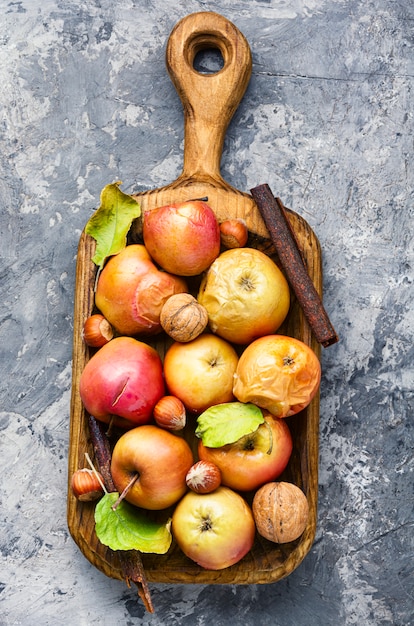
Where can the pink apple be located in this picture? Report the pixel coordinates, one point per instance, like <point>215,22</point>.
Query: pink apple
<point>131,291</point>
<point>201,372</point>
<point>123,378</point>
<point>159,459</point>
<point>183,238</point>
<point>254,459</point>
<point>216,530</point>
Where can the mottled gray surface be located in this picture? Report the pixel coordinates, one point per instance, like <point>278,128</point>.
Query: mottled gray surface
<point>327,121</point>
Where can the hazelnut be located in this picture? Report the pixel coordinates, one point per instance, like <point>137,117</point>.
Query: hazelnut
<point>233,233</point>
<point>183,318</point>
<point>87,485</point>
<point>281,511</point>
<point>97,331</point>
<point>169,413</point>
<point>203,477</point>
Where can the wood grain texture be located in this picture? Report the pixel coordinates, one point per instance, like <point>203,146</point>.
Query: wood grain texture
<point>208,103</point>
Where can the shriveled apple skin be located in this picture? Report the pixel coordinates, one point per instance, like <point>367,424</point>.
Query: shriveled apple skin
<point>124,378</point>
<point>278,373</point>
<point>245,294</point>
<point>131,291</point>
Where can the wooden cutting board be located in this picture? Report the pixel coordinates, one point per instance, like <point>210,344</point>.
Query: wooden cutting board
<point>209,102</point>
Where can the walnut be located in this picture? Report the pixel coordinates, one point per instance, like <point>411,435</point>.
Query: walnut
<point>183,318</point>
<point>281,511</point>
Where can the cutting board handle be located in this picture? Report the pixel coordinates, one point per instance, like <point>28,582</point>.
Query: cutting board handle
<point>209,100</point>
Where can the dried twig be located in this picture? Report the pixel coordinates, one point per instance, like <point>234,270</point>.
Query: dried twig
<point>131,562</point>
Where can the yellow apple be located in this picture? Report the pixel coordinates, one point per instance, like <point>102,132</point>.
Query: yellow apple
<point>245,294</point>
<point>216,529</point>
<point>201,372</point>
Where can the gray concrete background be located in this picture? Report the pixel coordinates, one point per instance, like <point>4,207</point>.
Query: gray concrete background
<point>327,122</point>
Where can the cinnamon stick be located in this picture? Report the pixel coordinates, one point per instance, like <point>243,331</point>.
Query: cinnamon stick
<point>291,259</point>
<point>131,562</point>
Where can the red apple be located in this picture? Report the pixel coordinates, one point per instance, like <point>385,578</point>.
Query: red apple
<point>124,378</point>
<point>216,530</point>
<point>183,238</point>
<point>201,372</point>
<point>255,459</point>
<point>161,461</point>
<point>245,294</point>
<point>131,291</point>
<point>278,373</point>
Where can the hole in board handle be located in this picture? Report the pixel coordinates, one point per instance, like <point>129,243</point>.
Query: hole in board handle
<point>208,61</point>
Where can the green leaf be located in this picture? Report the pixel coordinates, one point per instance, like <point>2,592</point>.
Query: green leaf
<point>225,423</point>
<point>129,528</point>
<point>110,223</point>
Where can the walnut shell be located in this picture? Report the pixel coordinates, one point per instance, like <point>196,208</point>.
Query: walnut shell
<point>183,318</point>
<point>281,511</point>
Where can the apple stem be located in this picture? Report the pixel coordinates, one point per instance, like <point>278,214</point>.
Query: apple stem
<point>89,460</point>
<point>125,491</point>
<point>204,199</point>
<point>269,428</point>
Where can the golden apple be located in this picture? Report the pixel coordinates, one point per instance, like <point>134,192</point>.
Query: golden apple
<point>245,294</point>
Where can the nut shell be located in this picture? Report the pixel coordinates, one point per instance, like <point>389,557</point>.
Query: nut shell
<point>86,486</point>
<point>233,233</point>
<point>97,331</point>
<point>183,318</point>
<point>281,511</point>
<point>203,477</point>
<point>170,413</point>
